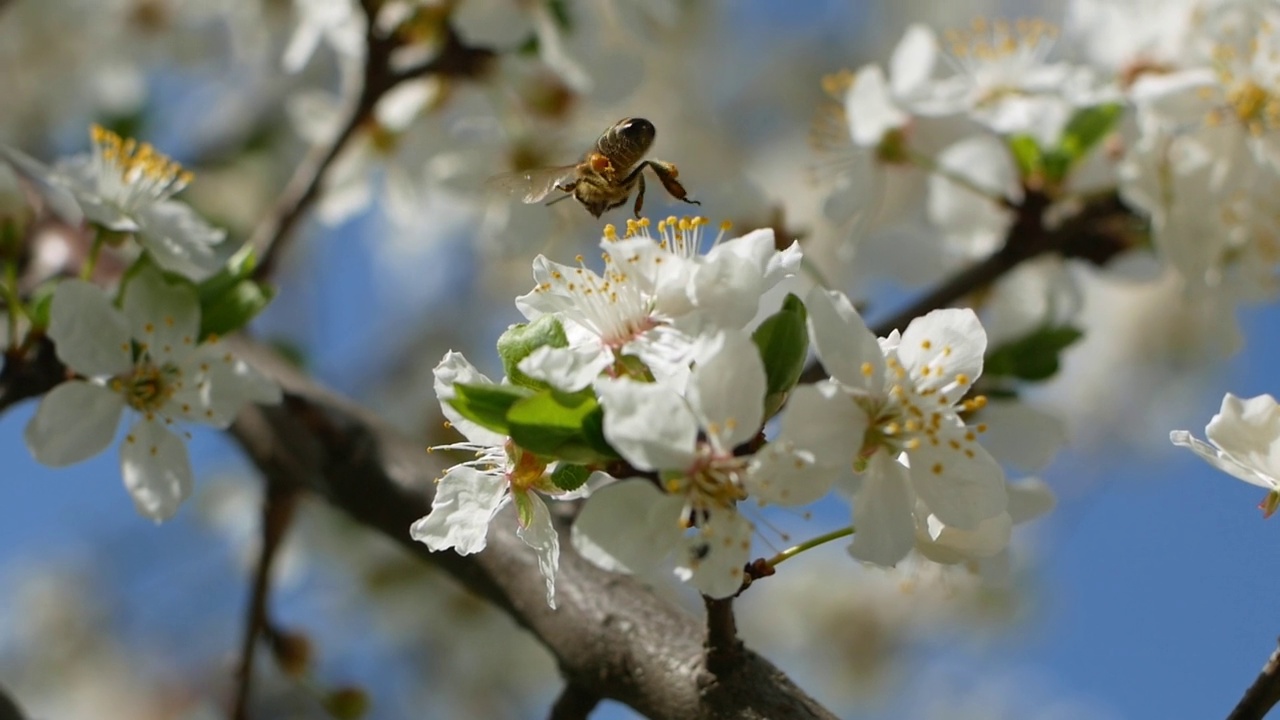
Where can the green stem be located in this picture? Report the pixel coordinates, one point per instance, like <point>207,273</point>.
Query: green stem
<point>16,308</point>
<point>95,249</point>
<point>809,545</point>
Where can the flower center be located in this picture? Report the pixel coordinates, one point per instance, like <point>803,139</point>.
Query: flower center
<point>149,387</point>
<point>712,482</point>
<point>132,173</point>
<point>526,469</point>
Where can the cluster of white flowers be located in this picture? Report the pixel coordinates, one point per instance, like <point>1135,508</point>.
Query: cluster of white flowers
<point>141,350</point>
<point>670,345</point>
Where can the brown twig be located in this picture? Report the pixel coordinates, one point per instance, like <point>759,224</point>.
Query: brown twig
<point>574,703</point>
<point>1099,232</point>
<point>455,60</point>
<point>1263,694</point>
<point>8,708</point>
<point>723,646</point>
<point>277,514</point>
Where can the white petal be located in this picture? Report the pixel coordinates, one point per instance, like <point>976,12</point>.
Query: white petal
<point>849,351</point>
<point>943,350</point>
<point>822,430</point>
<point>542,537</point>
<point>89,334</point>
<point>62,202</point>
<point>217,385</point>
<point>74,422</point>
<point>913,60</point>
<point>1249,431</point>
<point>726,391</point>
<point>649,424</point>
<point>1029,498</point>
<point>181,241</point>
<point>1222,461</point>
<point>568,369</point>
<point>630,526</point>
<point>870,109</point>
<point>1022,436</point>
<point>156,470</point>
<point>466,501</point>
<point>164,317</point>
<point>952,545</point>
<point>727,289</point>
<point>958,479</point>
<point>455,368</point>
<point>882,513</point>
<point>716,554</point>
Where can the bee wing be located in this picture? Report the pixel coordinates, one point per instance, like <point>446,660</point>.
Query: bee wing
<point>535,184</point>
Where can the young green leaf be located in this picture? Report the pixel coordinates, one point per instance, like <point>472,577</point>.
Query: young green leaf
<point>783,341</point>
<point>519,341</point>
<point>487,404</point>
<point>569,477</point>
<point>1034,357</point>
<point>559,425</point>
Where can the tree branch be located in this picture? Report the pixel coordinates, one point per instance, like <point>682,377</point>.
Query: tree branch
<point>574,703</point>
<point>277,514</point>
<point>1263,694</point>
<point>610,634</point>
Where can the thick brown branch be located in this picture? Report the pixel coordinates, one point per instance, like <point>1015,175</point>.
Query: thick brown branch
<point>610,634</point>
<point>723,645</point>
<point>277,514</point>
<point>1263,694</point>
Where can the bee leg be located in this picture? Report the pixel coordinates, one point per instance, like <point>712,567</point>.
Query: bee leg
<point>667,173</point>
<point>639,194</point>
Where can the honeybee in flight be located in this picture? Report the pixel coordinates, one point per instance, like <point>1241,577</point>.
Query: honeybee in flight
<point>606,175</point>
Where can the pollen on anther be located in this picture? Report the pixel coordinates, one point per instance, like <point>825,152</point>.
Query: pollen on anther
<point>937,468</point>
<point>866,369</point>
<point>927,344</point>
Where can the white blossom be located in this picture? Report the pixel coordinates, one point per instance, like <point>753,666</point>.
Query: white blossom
<point>1245,437</point>
<point>146,358</point>
<point>127,187</point>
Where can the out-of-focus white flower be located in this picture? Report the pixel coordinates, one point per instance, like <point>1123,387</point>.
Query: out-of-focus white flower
<point>1246,444</point>
<point>471,493</point>
<point>689,441</point>
<point>917,451</point>
<point>147,358</point>
<point>876,105</point>
<point>1006,82</point>
<point>127,187</point>
<point>339,23</point>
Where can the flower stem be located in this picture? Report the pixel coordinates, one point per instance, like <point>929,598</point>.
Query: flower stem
<point>11,298</point>
<point>809,545</point>
<point>95,249</point>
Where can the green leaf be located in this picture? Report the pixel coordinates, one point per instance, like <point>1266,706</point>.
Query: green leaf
<point>1027,154</point>
<point>231,298</point>
<point>1088,127</point>
<point>488,404</point>
<point>1084,130</point>
<point>1034,357</point>
<point>561,425</point>
<point>783,341</point>
<point>519,341</point>
<point>569,477</point>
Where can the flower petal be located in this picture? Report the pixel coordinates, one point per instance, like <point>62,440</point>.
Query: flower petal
<point>455,368</point>
<point>466,501</point>
<point>717,553</point>
<point>156,470</point>
<point>89,334</point>
<point>164,317</point>
<point>567,369</point>
<point>847,349</point>
<point>649,424</point>
<point>943,350</point>
<point>726,391</point>
<point>630,527</point>
<point>75,421</point>
<point>882,513</point>
<point>958,479</point>
<point>180,241</point>
<point>872,112</point>
<point>541,535</point>
<point>1249,431</point>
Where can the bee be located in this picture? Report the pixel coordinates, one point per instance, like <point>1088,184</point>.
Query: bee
<point>605,176</point>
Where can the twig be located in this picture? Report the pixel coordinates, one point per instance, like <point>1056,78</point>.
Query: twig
<point>277,514</point>
<point>574,703</point>
<point>8,708</point>
<point>1263,694</point>
<point>724,649</point>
